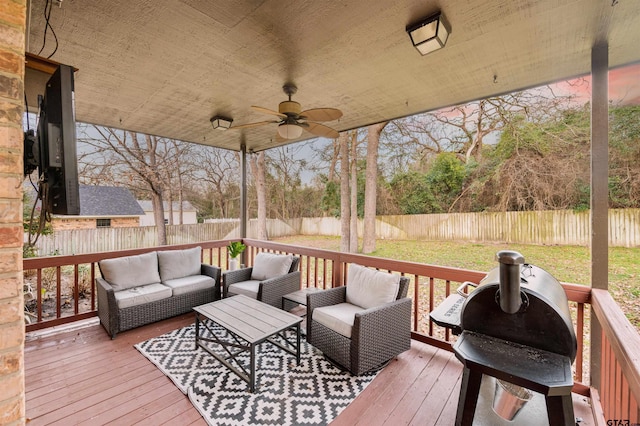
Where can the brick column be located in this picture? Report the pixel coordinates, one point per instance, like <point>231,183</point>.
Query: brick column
<point>12,39</point>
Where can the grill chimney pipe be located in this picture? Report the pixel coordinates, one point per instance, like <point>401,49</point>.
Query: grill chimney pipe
<point>510,262</point>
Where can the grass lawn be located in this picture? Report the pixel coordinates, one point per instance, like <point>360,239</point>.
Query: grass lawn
<point>567,263</point>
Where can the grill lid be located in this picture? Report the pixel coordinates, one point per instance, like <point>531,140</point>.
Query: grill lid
<point>517,302</point>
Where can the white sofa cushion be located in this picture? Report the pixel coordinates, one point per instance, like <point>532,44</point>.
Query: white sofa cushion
<point>369,288</point>
<point>189,284</point>
<point>131,271</point>
<point>339,318</point>
<point>142,294</point>
<point>179,263</point>
<point>269,265</point>
<point>248,288</point>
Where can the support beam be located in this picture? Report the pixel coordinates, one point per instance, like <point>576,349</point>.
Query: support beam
<point>243,191</point>
<point>600,167</point>
<point>599,193</point>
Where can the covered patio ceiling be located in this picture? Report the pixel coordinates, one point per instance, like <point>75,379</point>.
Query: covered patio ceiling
<point>166,67</point>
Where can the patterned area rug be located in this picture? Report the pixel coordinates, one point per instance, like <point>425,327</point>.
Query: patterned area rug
<point>312,393</point>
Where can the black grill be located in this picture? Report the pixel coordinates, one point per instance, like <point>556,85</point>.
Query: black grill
<point>515,326</point>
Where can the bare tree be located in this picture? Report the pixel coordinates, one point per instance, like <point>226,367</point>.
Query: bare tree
<point>370,191</point>
<point>219,170</point>
<point>335,152</point>
<point>137,159</point>
<point>285,165</point>
<point>178,164</point>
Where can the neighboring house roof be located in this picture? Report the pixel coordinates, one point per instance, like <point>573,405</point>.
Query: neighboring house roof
<point>98,201</point>
<point>108,201</point>
<point>147,206</point>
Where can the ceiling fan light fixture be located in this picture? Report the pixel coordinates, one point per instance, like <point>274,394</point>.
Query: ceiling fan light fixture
<point>220,123</point>
<point>289,131</point>
<point>430,34</point>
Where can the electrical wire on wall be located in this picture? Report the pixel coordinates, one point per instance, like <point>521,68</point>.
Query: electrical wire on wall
<point>31,161</point>
<point>47,16</point>
<point>35,230</point>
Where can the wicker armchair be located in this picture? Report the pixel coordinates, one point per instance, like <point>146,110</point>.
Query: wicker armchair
<point>378,334</point>
<point>269,290</point>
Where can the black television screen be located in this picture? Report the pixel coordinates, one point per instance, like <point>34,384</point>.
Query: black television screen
<point>57,145</point>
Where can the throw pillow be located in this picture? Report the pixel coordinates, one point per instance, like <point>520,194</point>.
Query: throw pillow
<point>269,265</point>
<point>369,288</point>
<point>179,263</point>
<point>130,271</point>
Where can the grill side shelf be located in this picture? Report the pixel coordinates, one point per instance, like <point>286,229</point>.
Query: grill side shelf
<point>447,314</point>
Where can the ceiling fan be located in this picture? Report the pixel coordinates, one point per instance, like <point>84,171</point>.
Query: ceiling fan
<point>292,120</point>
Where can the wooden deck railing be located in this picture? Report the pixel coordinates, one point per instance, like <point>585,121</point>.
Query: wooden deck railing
<point>620,372</point>
<point>429,286</point>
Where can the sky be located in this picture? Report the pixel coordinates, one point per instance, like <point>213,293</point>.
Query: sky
<point>624,86</point>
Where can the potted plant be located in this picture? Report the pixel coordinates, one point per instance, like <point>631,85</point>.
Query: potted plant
<point>235,249</point>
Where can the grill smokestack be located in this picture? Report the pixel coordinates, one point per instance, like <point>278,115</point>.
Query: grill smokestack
<point>510,299</point>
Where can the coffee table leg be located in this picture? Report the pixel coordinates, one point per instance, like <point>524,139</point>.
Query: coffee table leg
<point>252,368</point>
<point>197,330</point>
<point>298,343</point>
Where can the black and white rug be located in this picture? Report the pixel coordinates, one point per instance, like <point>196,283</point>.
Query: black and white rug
<point>312,393</point>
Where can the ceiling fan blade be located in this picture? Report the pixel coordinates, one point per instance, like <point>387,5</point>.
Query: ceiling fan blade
<point>321,130</point>
<point>267,111</point>
<point>321,114</point>
<point>249,125</point>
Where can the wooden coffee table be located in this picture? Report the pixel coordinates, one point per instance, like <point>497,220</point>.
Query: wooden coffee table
<point>250,323</point>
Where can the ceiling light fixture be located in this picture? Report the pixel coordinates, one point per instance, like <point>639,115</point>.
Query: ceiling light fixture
<point>221,123</point>
<point>430,34</point>
<point>289,131</point>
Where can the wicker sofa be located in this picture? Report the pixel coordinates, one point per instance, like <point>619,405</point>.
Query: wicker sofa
<point>362,325</point>
<point>138,290</point>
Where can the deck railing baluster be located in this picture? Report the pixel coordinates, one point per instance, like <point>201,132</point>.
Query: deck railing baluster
<point>58,292</point>
<point>76,290</point>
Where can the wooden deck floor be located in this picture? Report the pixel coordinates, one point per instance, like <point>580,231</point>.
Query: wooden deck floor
<point>84,377</point>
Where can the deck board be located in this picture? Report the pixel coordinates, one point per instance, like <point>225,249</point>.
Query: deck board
<point>85,377</point>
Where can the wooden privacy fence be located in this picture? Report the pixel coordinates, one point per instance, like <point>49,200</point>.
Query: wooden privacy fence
<point>554,227</point>
<point>81,241</point>
<point>558,227</point>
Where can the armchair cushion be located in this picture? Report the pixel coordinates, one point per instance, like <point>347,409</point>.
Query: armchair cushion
<point>142,294</point>
<point>190,284</point>
<point>369,288</point>
<point>269,265</point>
<point>248,288</point>
<point>179,263</point>
<point>131,271</point>
<point>339,318</point>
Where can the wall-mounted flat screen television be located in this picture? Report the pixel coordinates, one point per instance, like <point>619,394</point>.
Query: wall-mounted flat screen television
<point>56,143</point>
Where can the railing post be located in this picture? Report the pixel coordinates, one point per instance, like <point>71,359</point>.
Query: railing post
<point>337,273</point>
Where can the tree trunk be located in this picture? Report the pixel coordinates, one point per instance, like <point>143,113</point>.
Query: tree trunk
<point>257,163</point>
<point>180,200</point>
<point>335,151</point>
<point>155,183</point>
<point>344,193</point>
<point>353,240</point>
<point>158,214</point>
<point>170,206</point>
<point>370,195</point>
